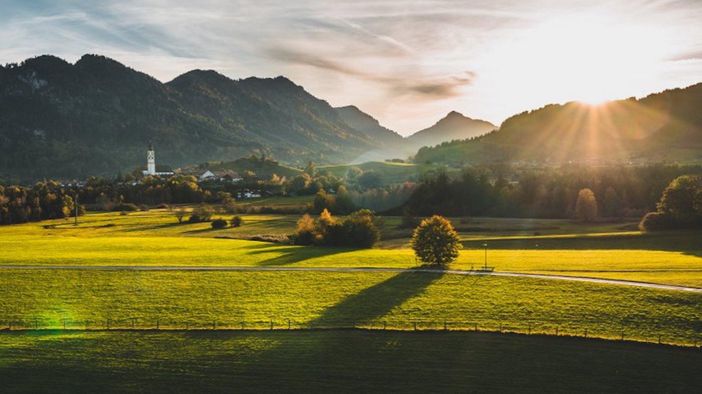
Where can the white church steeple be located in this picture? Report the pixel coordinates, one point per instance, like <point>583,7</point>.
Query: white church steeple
<point>151,161</point>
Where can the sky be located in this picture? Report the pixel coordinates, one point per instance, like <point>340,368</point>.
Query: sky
<point>407,63</point>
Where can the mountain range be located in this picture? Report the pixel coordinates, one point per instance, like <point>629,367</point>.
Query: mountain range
<point>96,117</point>
<point>661,127</point>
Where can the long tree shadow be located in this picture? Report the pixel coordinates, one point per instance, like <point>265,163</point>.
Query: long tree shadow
<point>376,301</point>
<point>295,254</point>
<point>321,350</point>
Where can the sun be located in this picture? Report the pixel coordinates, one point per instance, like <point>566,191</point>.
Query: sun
<point>590,59</point>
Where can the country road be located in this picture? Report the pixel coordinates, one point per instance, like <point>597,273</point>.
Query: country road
<point>586,279</point>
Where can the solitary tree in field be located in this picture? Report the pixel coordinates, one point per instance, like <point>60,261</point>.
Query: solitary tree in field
<point>435,241</point>
<point>586,206</point>
<point>180,214</point>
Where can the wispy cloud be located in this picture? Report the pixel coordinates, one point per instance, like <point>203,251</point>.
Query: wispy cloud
<point>414,83</point>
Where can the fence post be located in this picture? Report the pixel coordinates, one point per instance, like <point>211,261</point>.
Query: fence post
<point>476,327</point>
<point>445,326</point>
<point>133,322</point>
<point>242,325</point>
<point>214,325</point>
<point>288,324</point>
<point>64,324</point>
<point>500,327</point>
<point>586,333</point>
<point>158,324</point>
<point>557,327</point>
<point>659,339</point>
<point>271,324</point>
<point>87,323</point>
<point>529,329</point>
<point>107,324</point>
<point>385,325</point>
<point>415,326</point>
<point>36,324</point>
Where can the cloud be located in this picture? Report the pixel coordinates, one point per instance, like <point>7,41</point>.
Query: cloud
<point>688,56</point>
<point>409,83</point>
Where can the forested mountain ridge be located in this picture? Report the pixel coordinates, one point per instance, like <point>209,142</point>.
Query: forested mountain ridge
<point>665,126</point>
<point>454,126</point>
<point>95,117</point>
<point>363,122</point>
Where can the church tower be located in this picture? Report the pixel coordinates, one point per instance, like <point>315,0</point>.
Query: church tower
<point>151,161</point>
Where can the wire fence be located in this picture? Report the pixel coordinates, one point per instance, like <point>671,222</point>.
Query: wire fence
<point>625,333</point>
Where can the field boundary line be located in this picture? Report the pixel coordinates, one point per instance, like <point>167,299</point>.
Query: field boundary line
<point>585,279</point>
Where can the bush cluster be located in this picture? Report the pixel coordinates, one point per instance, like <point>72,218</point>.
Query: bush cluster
<point>356,230</point>
<point>200,214</point>
<point>237,221</point>
<point>218,224</point>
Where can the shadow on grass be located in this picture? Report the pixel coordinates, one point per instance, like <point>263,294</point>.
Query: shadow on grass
<point>687,242</point>
<point>376,301</point>
<point>289,254</point>
<point>155,227</point>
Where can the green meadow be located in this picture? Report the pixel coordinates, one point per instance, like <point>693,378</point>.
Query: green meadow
<point>371,329</point>
<point>201,299</point>
<point>337,361</point>
<point>559,247</point>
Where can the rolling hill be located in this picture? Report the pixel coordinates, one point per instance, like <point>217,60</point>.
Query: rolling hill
<point>665,126</point>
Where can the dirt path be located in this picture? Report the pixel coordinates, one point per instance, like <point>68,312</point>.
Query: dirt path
<point>586,279</point>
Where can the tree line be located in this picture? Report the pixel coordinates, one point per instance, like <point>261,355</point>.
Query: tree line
<point>621,191</point>
<point>41,201</point>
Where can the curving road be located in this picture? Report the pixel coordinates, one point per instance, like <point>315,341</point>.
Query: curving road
<point>352,269</point>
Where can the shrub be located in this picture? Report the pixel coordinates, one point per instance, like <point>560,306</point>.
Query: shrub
<point>654,221</point>
<point>237,221</point>
<point>305,231</point>
<point>360,230</point>
<point>586,206</point>
<point>202,213</point>
<point>123,213</point>
<point>126,206</point>
<point>218,224</point>
<point>143,208</point>
<point>435,241</point>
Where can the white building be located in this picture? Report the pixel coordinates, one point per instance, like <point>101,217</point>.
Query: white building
<point>151,164</point>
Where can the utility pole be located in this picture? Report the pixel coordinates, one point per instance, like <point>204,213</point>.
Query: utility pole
<point>485,245</point>
<point>75,203</point>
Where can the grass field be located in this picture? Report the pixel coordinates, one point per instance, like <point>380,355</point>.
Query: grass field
<point>353,360</point>
<point>338,361</point>
<point>331,299</point>
<point>561,247</point>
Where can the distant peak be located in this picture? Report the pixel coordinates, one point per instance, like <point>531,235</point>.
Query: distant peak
<point>456,115</point>
<point>199,73</point>
<point>349,108</point>
<point>92,59</point>
<point>45,60</point>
